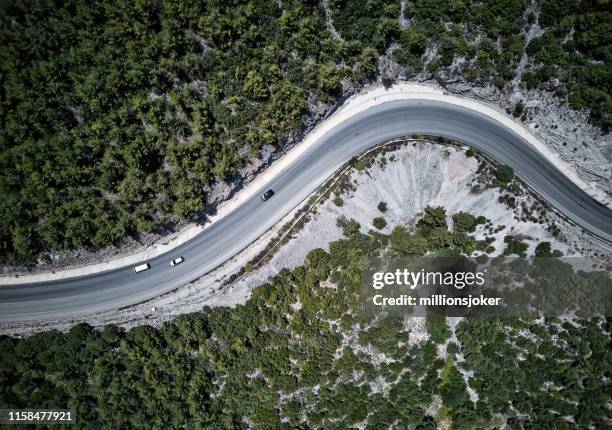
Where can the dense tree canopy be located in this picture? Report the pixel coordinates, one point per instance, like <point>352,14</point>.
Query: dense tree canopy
<point>117,118</point>
<point>301,354</point>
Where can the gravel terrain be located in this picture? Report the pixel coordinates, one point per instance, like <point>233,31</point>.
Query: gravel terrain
<point>565,131</point>
<point>411,177</point>
<point>422,174</point>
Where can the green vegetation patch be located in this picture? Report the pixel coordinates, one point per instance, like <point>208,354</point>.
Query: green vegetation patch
<point>298,355</point>
<point>117,118</point>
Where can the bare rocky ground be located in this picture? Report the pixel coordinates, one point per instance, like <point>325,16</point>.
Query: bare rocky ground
<point>412,178</point>
<point>408,179</point>
<point>566,131</point>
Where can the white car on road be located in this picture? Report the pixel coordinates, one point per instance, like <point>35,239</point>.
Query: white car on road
<point>176,261</point>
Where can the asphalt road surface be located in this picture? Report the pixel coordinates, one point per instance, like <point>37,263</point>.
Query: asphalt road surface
<point>223,239</point>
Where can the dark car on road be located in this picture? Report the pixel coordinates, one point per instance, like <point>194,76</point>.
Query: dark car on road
<point>266,196</point>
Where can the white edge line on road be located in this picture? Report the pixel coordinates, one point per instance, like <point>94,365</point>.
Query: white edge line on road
<point>353,106</point>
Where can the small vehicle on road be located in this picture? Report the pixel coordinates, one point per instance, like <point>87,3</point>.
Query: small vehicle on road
<point>176,261</point>
<point>266,196</point>
<point>142,267</point>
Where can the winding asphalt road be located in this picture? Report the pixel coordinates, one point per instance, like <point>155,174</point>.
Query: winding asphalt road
<point>226,237</point>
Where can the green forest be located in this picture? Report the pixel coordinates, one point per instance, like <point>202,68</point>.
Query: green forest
<point>117,118</point>
<point>299,354</point>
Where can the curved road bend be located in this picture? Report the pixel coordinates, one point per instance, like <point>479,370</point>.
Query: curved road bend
<point>223,239</point>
